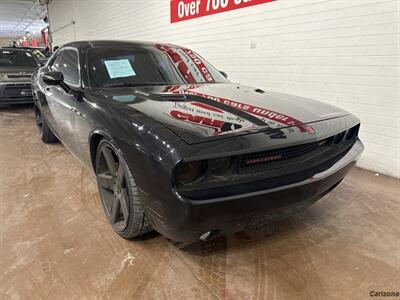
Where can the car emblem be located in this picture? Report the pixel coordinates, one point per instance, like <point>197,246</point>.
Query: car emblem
<point>263,159</point>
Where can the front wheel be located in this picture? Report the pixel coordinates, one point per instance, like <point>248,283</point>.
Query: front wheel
<point>118,192</point>
<point>46,135</point>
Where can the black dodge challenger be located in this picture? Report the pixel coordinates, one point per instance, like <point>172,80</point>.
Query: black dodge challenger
<point>177,148</point>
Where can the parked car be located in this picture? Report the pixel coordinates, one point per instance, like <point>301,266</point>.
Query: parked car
<point>178,148</point>
<point>41,54</point>
<point>16,68</point>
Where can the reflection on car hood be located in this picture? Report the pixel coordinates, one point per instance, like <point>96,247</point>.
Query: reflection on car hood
<point>204,112</point>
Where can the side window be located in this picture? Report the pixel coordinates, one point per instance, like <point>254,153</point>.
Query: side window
<point>67,63</point>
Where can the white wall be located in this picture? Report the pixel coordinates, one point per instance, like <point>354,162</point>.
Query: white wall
<point>344,52</point>
<point>5,41</point>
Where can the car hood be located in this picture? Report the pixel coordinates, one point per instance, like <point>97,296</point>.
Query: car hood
<point>13,70</point>
<point>204,112</point>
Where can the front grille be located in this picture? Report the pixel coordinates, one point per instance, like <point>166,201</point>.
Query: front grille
<point>261,160</point>
<point>17,91</point>
<point>284,157</point>
<point>270,169</point>
<point>18,76</point>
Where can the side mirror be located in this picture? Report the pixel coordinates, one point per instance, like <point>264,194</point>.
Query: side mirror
<point>224,74</point>
<point>53,78</point>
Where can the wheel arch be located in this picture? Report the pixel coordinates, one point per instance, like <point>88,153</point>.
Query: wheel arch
<point>94,139</point>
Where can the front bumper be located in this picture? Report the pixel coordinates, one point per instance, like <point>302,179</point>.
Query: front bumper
<point>189,219</point>
<point>15,92</point>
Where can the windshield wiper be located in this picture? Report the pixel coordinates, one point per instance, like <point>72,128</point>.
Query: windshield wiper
<point>124,84</point>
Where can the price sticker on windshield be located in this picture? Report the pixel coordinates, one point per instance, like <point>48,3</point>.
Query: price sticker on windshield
<point>118,68</point>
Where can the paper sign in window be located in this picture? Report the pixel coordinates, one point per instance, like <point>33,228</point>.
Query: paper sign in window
<point>119,68</point>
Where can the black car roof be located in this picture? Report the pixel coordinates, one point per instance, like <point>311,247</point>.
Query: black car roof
<point>99,43</point>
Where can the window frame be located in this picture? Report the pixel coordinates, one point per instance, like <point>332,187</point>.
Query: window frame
<point>59,51</point>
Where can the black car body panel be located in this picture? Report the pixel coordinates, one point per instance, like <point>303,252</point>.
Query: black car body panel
<point>204,112</point>
<point>285,152</point>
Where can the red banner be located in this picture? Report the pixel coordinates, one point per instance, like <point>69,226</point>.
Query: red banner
<point>190,9</point>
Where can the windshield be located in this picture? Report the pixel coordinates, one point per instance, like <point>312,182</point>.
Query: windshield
<point>148,65</point>
<point>17,58</point>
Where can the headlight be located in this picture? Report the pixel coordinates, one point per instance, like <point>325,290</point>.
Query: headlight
<point>2,76</point>
<point>191,171</point>
<point>352,132</point>
<point>339,137</point>
<point>219,166</point>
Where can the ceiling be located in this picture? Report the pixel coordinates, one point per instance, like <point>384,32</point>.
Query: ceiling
<point>19,16</point>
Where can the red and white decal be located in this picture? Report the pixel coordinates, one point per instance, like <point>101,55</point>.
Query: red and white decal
<point>179,63</point>
<point>205,73</point>
<point>208,107</point>
<point>260,112</point>
<point>182,10</point>
<point>219,126</point>
<point>188,63</point>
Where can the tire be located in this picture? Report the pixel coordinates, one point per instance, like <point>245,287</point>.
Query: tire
<point>45,133</point>
<point>118,192</point>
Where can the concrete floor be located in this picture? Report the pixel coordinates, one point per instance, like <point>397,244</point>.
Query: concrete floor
<point>57,244</point>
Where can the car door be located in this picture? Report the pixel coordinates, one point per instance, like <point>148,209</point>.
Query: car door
<point>85,111</point>
<point>61,104</point>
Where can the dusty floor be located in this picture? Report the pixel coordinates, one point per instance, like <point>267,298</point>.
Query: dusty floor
<point>56,243</point>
